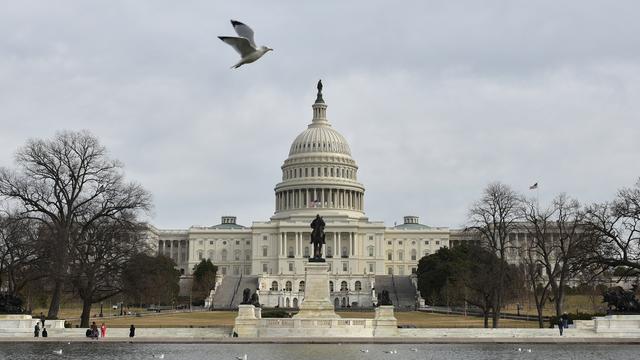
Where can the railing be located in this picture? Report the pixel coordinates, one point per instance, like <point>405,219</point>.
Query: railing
<point>319,323</point>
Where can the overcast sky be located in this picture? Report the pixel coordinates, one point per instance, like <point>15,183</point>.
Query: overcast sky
<point>436,98</point>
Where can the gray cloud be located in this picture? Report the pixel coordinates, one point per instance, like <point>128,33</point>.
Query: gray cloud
<point>436,99</point>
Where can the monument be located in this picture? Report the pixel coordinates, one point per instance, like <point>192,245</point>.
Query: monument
<point>317,302</point>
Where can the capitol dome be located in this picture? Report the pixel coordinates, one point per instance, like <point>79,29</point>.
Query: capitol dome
<point>319,175</point>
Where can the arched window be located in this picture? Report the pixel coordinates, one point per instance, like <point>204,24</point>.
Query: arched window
<point>344,252</point>
<point>389,255</point>
<point>414,254</point>
<point>370,249</point>
<point>301,286</point>
<point>237,254</point>
<point>295,303</point>
<point>343,286</point>
<point>210,255</point>
<point>288,303</point>
<point>224,254</point>
<point>331,286</point>
<point>274,286</point>
<point>329,252</point>
<point>287,286</point>
<point>306,251</point>
<point>358,286</point>
<point>247,254</point>
<point>290,252</point>
<point>200,255</point>
<point>400,255</point>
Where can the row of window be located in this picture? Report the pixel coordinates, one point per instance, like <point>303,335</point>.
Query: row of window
<point>339,172</point>
<point>237,255</point>
<point>344,286</point>
<point>426,242</point>
<point>224,242</point>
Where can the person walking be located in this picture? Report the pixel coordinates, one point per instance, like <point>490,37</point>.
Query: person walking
<point>565,320</point>
<point>132,331</point>
<point>36,330</point>
<point>560,325</point>
<point>103,330</point>
<point>42,319</point>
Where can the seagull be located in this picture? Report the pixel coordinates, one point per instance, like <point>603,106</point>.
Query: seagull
<point>414,349</point>
<point>161,356</point>
<point>58,352</point>
<point>528,350</point>
<point>241,357</point>
<point>364,350</point>
<point>244,44</point>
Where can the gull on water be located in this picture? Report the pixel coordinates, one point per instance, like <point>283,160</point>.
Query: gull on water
<point>244,357</point>
<point>161,356</point>
<point>58,352</point>
<point>244,44</point>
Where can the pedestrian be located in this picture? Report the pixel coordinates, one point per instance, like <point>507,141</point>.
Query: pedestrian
<point>36,330</point>
<point>132,331</point>
<point>94,330</point>
<point>560,326</point>
<point>565,320</point>
<point>42,319</point>
<point>103,330</point>
<point>44,332</point>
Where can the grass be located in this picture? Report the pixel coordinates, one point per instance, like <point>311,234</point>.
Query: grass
<point>573,303</point>
<point>71,311</point>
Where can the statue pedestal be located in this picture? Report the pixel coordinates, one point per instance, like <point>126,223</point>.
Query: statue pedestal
<point>247,321</point>
<point>385,321</point>
<point>317,302</point>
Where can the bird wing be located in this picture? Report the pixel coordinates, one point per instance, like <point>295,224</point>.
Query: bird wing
<point>240,44</point>
<point>243,31</point>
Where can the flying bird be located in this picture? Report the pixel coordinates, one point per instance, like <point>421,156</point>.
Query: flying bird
<point>244,44</point>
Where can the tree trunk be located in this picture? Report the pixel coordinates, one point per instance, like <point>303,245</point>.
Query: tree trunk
<point>485,314</point>
<point>86,313</point>
<point>54,306</point>
<point>539,309</point>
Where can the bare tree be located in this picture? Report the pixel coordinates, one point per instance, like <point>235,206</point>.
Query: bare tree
<point>19,255</point>
<point>554,240</point>
<point>614,232</point>
<point>495,216</point>
<point>68,183</point>
<point>100,257</point>
<point>535,249</point>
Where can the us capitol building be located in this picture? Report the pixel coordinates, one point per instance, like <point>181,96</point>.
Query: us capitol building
<point>318,177</point>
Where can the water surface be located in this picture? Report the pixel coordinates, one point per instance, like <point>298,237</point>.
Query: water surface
<point>97,350</point>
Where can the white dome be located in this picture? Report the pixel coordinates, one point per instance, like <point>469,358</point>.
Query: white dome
<point>320,138</point>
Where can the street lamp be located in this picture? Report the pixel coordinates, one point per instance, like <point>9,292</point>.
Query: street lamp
<point>101,315</point>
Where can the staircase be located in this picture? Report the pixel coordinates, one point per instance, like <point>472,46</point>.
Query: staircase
<point>401,290</point>
<point>229,292</point>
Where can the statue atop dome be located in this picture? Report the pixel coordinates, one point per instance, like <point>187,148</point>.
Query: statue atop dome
<point>319,97</point>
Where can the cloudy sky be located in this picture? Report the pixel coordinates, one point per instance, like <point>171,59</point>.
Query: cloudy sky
<point>436,98</point>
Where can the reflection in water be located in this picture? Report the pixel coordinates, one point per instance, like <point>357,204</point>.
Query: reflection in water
<point>97,350</point>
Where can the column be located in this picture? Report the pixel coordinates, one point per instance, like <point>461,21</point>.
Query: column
<point>352,240</point>
<point>306,193</point>
<point>339,248</point>
<point>283,237</point>
<point>335,244</point>
<point>321,198</point>
<point>296,250</point>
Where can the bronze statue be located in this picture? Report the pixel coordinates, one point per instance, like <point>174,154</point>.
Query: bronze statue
<point>317,238</point>
<point>246,296</point>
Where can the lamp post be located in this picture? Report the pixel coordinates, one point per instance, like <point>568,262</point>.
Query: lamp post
<point>101,315</point>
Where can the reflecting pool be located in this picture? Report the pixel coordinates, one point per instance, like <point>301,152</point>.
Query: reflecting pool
<point>97,350</point>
